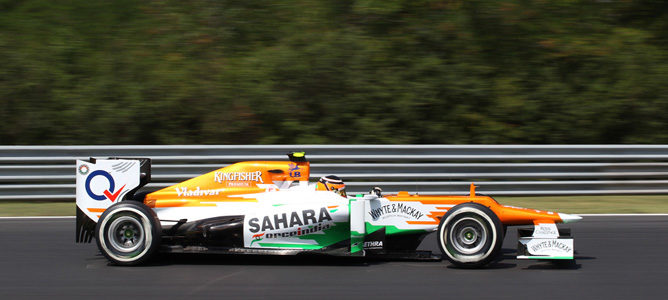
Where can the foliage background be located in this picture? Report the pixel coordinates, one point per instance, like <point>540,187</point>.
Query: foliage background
<point>333,71</point>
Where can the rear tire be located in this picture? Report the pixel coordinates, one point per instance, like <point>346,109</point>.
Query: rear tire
<point>128,233</point>
<point>470,235</point>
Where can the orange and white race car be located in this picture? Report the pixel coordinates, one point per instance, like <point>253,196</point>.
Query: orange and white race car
<point>270,207</point>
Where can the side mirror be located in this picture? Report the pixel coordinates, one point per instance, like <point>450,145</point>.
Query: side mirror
<point>377,191</point>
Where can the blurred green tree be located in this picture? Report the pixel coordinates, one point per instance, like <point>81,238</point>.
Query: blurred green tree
<point>304,71</point>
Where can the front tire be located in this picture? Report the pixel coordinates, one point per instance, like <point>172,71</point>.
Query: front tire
<point>470,235</point>
<point>128,233</point>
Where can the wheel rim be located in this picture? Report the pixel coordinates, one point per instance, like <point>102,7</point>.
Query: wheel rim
<point>468,235</point>
<point>126,234</point>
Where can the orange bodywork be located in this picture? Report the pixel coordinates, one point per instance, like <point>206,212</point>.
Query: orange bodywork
<point>222,184</point>
<point>245,178</point>
<point>508,215</point>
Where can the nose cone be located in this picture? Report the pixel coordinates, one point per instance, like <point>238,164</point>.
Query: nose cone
<point>566,218</point>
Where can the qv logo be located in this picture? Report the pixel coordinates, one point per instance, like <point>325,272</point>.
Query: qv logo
<point>110,193</point>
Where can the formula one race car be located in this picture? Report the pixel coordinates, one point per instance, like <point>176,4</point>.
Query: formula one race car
<point>269,207</point>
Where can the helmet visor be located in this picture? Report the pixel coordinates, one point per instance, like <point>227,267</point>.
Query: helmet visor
<point>338,188</point>
<point>342,192</point>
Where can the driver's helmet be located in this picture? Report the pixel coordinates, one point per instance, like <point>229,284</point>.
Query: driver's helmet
<point>331,183</point>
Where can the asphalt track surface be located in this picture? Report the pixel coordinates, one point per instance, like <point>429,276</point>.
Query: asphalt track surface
<point>617,258</point>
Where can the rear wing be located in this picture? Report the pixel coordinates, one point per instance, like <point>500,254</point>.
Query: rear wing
<point>103,182</point>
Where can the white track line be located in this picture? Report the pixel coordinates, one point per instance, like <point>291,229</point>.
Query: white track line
<point>583,215</point>
<point>622,215</point>
<point>38,217</point>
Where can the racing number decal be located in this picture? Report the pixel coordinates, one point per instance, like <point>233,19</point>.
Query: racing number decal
<point>107,194</point>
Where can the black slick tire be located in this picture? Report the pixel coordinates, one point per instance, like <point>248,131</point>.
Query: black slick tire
<point>470,235</point>
<point>128,233</point>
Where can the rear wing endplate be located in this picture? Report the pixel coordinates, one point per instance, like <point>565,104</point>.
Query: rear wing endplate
<point>103,182</point>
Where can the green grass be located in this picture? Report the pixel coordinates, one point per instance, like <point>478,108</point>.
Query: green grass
<point>564,204</point>
<point>592,204</point>
<point>11,209</point>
